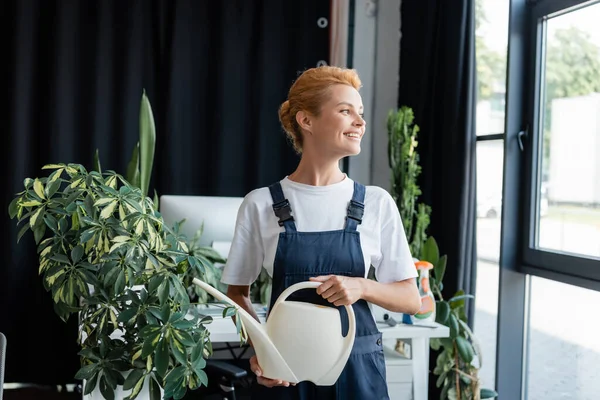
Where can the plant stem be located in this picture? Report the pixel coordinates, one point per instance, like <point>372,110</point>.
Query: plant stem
<point>456,375</point>
<point>465,374</point>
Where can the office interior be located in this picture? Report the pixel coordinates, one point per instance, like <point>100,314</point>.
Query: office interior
<point>506,97</point>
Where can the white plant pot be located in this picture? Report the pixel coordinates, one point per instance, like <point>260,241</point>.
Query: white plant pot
<point>120,393</point>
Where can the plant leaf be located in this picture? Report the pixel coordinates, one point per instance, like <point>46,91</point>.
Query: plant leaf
<point>133,168</point>
<point>76,253</point>
<point>439,268</point>
<point>87,371</point>
<point>147,143</point>
<point>162,357</point>
<point>90,384</point>
<point>487,393</point>
<point>442,312</point>
<point>109,209</point>
<point>107,392</point>
<point>13,207</point>
<point>38,188</point>
<point>154,389</point>
<point>430,251</point>
<point>97,166</point>
<point>465,350</point>
<point>453,325</point>
<point>459,299</point>
<point>133,377</point>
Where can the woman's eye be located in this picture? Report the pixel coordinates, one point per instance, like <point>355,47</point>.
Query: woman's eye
<point>346,111</point>
<point>362,116</point>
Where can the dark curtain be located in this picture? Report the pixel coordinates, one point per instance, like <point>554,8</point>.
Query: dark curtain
<point>437,80</point>
<point>215,73</point>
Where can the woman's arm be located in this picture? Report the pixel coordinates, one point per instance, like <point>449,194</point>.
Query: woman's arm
<point>402,296</point>
<point>240,294</point>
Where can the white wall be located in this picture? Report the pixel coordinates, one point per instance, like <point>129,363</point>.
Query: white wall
<point>574,174</point>
<point>376,54</point>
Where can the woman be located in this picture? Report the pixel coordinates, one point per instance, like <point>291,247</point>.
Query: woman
<point>317,224</point>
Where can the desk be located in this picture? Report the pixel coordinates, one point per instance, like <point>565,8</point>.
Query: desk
<point>223,330</point>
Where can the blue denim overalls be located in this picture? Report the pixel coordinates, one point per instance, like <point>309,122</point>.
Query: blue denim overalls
<point>301,255</point>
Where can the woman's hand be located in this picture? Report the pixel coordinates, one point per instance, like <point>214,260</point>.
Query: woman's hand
<point>262,380</point>
<point>340,290</point>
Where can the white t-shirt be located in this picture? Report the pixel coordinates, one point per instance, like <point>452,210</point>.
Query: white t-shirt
<point>318,208</point>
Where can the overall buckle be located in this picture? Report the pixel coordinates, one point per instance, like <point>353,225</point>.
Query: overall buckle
<point>356,211</point>
<point>283,211</point>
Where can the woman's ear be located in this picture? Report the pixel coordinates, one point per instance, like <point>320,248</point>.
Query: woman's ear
<point>304,121</point>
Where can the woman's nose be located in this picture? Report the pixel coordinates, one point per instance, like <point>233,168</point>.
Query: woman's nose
<point>360,121</point>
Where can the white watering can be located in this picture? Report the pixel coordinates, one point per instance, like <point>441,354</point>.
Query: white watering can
<point>300,341</point>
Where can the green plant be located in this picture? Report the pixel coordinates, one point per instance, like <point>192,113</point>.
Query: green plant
<point>404,164</point>
<point>211,274</point>
<point>460,358</point>
<point>106,255</point>
<point>260,290</point>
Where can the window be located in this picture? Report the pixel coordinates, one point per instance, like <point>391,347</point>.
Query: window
<point>564,353</point>
<point>550,237</point>
<point>563,213</point>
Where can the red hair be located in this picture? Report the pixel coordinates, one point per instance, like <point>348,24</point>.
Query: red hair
<point>308,93</point>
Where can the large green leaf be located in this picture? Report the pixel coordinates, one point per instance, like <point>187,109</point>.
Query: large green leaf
<point>90,384</point>
<point>87,371</point>
<point>442,312</point>
<point>465,350</point>
<point>76,253</point>
<point>147,143</point>
<point>430,251</point>
<point>179,351</point>
<point>38,188</point>
<point>107,392</point>
<point>133,377</point>
<point>162,357</point>
<point>453,325</point>
<point>151,341</point>
<point>439,269</point>
<point>133,168</point>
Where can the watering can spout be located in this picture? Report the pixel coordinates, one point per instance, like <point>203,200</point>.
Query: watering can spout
<point>266,352</point>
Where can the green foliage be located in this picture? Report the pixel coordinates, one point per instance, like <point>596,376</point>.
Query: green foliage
<point>490,64</point>
<point>404,163</point>
<point>260,291</point>
<point>207,256</point>
<point>106,255</point>
<point>459,356</point>
<point>572,64</point>
<point>98,237</point>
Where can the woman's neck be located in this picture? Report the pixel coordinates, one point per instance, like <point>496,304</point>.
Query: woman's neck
<point>317,173</point>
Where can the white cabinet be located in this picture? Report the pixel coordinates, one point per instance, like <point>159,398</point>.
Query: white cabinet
<point>399,373</point>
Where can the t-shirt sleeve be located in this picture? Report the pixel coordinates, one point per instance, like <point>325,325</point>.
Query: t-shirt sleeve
<point>246,255</point>
<point>396,262</point>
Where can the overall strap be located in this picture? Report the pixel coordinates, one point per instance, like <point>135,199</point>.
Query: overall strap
<point>356,207</point>
<point>281,207</point>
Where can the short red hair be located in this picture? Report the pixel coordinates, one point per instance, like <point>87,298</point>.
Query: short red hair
<point>308,93</point>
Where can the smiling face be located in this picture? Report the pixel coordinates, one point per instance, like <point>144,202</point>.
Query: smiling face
<point>338,129</point>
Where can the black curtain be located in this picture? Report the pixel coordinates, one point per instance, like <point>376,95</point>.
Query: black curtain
<point>437,80</point>
<point>215,73</point>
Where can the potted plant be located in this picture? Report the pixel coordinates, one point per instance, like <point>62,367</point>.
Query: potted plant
<point>107,257</point>
<point>459,358</point>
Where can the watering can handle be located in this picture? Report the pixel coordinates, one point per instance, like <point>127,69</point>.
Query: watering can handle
<point>349,340</point>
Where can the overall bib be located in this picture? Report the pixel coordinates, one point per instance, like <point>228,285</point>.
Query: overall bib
<point>301,255</point>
